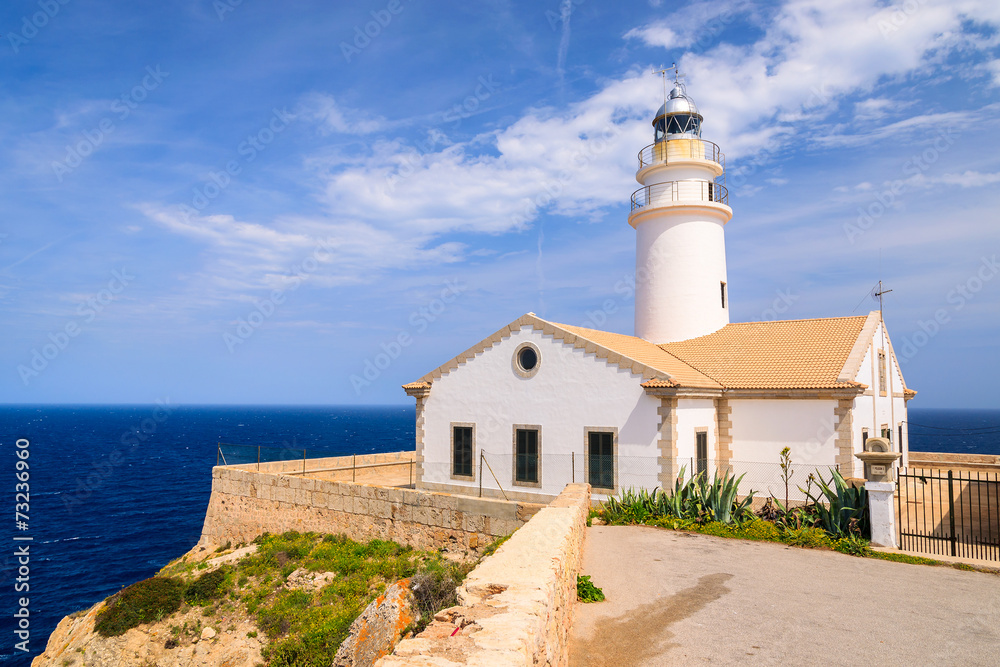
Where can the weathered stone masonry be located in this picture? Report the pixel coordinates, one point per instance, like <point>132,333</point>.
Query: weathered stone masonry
<point>516,607</point>
<point>246,503</point>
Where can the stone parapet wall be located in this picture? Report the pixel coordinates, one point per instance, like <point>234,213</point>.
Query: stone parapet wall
<point>944,460</point>
<point>246,503</point>
<point>296,466</point>
<point>516,606</point>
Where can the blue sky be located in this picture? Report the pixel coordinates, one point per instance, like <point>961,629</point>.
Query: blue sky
<point>249,202</point>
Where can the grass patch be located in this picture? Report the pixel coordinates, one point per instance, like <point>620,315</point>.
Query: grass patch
<point>306,627</point>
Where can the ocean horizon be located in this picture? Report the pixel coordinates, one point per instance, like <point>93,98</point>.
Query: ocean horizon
<point>118,491</point>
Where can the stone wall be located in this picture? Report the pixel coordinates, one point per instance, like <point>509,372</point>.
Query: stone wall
<point>945,461</point>
<point>516,606</point>
<point>246,503</point>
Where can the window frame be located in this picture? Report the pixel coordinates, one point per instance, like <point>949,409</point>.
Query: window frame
<point>613,431</point>
<point>538,455</point>
<point>702,431</point>
<point>722,285</point>
<point>471,477</point>
<point>515,361</point>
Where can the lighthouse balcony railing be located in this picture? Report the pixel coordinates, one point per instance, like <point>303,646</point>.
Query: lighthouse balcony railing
<point>663,194</point>
<point>680,149</point>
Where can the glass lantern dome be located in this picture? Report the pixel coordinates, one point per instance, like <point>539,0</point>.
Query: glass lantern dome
<point>678,116</point>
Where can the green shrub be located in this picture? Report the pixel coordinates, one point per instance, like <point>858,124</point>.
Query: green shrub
<point>758,529</point>
<point>142,602</point>
<point>813,538</point>
<point>207,587</point>
<point>853,545</point>
<point>586,591</point>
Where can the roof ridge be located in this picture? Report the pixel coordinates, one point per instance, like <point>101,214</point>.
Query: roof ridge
<point>802,319</point>
<point>690,365</point>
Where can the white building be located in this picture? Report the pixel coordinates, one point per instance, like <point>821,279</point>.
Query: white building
<point>540,404</point>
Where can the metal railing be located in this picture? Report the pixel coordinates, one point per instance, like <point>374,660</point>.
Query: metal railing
<point>677,150</point>
<point>661,194</point>
<point>305,462</point>
<point>949,512</point>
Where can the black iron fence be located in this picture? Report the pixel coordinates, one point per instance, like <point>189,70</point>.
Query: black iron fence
<point>949,512</point>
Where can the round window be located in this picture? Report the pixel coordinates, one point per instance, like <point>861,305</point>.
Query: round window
<point>527,358</point>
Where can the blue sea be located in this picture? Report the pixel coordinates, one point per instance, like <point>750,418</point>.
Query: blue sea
<point>118,492</point>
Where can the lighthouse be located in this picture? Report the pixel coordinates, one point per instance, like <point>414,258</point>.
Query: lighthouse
<point>679,215</point>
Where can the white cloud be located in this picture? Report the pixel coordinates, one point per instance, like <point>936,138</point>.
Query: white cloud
<point>333,118</point>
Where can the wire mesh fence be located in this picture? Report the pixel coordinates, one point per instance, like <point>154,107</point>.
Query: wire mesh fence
<point>609,475</point>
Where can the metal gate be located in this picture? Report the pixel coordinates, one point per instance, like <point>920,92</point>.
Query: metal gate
<point>949,512</point>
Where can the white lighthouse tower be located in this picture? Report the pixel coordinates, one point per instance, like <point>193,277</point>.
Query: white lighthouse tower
<point>679,215</point>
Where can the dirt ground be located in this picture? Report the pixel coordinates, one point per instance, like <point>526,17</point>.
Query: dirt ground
<point>680,598</point>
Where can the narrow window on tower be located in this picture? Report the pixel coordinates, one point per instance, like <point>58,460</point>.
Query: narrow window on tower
<point>723,286</point>
<point>881,372</point>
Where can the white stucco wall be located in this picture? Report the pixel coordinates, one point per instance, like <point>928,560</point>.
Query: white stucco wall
<point>570,391</point>
<point>695,415</point>
<point>762,427</point>
<point>871,410</point>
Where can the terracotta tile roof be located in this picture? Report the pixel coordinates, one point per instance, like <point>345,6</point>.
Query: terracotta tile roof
<point>658,384</point>
<point>417,385</point>
<point>649,354</point>
<point>788,354</point>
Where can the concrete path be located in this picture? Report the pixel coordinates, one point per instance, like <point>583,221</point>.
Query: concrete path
<point>680,598</point>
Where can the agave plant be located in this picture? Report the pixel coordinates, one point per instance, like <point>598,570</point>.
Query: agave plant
<point>842,509</point>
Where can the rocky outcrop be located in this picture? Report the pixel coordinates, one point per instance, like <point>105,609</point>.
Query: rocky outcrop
<point>224,641</point>
<point>379,628</point>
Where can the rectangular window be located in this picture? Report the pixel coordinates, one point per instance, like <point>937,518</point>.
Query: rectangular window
<point>601,459</point>
<point>526,456</point>
<point>461,465</point>
<point>723,294</point>
<point>900,437</point>
<point>701,451</point>
<point>887,432</point>
<point>881,372</point>
<point>864,437</point>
